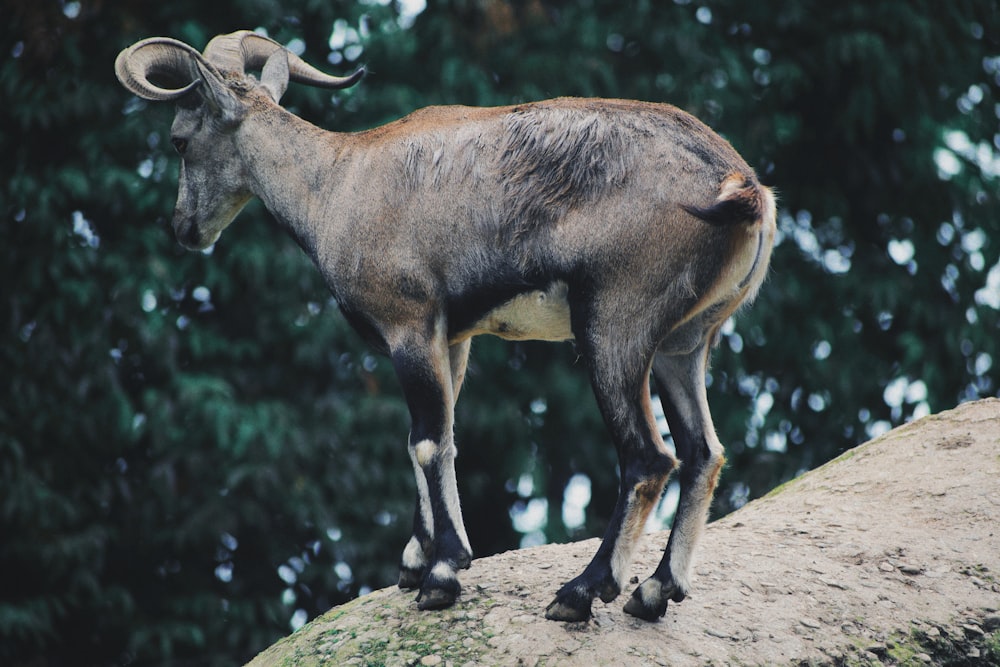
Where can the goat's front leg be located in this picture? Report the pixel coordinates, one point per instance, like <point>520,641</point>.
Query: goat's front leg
<point>680,380</point>
<point>419,549</point>
<point>430,375</point>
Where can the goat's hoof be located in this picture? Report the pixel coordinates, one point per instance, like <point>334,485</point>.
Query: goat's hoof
<point>647,611</point>
<point>609,591</point>
<point>438,598</point>
<point>560,611</point>
<point>440,588</point>
<point>571,605</point>
<point>649,600</point>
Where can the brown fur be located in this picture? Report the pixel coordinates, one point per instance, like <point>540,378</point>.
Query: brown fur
<point>628,226</point>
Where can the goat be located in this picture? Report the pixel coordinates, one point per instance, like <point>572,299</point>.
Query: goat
<point>628,227</point>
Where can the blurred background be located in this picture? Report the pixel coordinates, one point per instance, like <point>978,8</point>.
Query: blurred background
<point>197,455</point>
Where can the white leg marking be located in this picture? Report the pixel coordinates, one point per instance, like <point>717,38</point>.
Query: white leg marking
<point>636,513</point>
<point>424,452</point>
<point>621,557</point>
<point>443,571</point>
<point>681,557</point>
<point>650,590</point>
<point>413,555</point>
<point>449,489</point>
<point>693,522</point>
<point>426,515</point>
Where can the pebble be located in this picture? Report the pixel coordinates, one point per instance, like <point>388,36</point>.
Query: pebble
<point>431,660</point>
<point>810,623</point>
<point>877,649</point>
<point>973,630</point>
<point>834,584</point>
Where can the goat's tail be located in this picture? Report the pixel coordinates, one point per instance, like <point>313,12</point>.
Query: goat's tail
<point>741,200</point>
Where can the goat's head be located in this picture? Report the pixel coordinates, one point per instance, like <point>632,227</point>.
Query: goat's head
<point>211,102</point>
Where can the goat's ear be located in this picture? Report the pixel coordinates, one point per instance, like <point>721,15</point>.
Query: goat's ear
<point>219,98</point>
<point>274,76</point>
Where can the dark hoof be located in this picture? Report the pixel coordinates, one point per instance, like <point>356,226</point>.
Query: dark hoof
<point>571,605</point>
<point>639,608</point>
<point>410,578</point>
<point>609,591</point>
<point>439,590</point>
<point>437,598</point>
<point>649,600</point>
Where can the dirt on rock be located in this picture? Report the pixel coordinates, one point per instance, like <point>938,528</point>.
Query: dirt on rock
<point>889,554</point>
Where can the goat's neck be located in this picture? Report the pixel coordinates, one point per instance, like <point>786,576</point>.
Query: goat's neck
<point>294,168</point>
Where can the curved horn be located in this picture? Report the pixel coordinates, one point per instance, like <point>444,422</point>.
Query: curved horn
<point>158,56</point>
<point>239,51</point>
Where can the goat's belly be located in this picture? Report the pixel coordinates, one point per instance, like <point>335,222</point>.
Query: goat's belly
<point>537,315</point>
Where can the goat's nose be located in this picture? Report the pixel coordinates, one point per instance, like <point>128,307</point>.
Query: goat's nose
<point>186,233</point>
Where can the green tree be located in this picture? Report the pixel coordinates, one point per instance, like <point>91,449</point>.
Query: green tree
<point>195,451</point>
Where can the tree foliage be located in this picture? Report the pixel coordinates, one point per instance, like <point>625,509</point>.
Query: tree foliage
<point>197,453</point>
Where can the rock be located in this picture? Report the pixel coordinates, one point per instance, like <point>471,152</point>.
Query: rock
<point>878,649</point>
<point>771,575</point>
<point>871,658</point>
<point>972,630</point>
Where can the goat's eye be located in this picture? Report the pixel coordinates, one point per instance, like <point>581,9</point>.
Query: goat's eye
<point>180,145</point>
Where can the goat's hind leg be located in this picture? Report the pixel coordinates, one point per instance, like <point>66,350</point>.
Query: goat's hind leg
<point>431,374</point>
<point>645,463</point>
<point>680,380</point>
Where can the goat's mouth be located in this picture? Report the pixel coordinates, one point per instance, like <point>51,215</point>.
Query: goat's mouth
<point>191,237</point>
<point>198,232</point>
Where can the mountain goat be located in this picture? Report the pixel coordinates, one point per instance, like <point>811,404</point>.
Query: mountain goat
<point>628,227</point>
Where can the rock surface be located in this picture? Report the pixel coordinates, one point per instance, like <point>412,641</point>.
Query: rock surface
<point>889,554</point>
